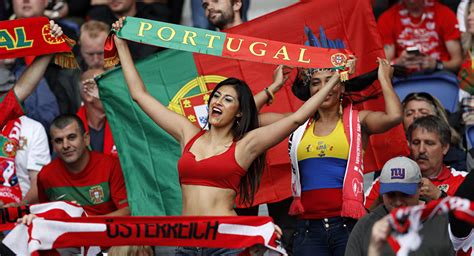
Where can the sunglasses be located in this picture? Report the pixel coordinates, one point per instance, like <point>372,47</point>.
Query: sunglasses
<point>419,95</point>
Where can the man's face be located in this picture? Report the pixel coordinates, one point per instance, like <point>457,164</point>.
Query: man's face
<point>69,143</point>
<point>426,149</point>
<point>29,8</point>
<point>121,6</point>
<point>92,50</point>
<point>396,199</point>
<point>219,12</point>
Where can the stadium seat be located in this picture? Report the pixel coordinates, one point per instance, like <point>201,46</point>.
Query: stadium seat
<point>442,85</point>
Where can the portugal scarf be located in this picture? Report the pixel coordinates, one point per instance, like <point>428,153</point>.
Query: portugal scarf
<point>31,37</point>
<point>352,190</point>
<point>224,44</point>
<point>10,191</point>
<point>406,222</point>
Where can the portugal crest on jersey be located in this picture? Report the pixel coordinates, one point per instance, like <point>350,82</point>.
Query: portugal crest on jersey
<point>96,194</point>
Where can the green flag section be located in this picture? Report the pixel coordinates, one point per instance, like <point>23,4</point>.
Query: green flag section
<point>148,155</point>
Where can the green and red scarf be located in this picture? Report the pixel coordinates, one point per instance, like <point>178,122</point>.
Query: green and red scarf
<point>223,44</point>
<point>31,37</point>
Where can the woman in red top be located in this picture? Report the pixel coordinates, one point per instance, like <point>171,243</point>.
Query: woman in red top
<point>233,144</point>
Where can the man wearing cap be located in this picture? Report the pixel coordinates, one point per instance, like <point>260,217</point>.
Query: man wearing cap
<point>400,186</point>
<point>429,139</point>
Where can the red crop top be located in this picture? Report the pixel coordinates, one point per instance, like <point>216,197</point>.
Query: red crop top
<point>221,171</point>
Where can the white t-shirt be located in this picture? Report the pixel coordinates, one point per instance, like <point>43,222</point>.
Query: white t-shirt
<point>33,153</point>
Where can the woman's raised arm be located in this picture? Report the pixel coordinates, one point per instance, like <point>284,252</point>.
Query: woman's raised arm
<point>259,140</point>
<point>176,125</point>
<point>378,121</point>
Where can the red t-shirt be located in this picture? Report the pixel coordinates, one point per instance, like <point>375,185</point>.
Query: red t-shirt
<point>99,188</point>
<point>10,108</point>
<point>448,181</point>
<point>429,32</point>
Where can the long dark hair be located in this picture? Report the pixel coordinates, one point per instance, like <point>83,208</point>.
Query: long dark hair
<point>243,124</point>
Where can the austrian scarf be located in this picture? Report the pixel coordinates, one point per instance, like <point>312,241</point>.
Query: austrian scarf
<point>62,227</point>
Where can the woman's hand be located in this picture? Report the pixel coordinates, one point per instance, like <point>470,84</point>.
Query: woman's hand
<point>280,76</point>
<point>335,78</point>
<point>117,26</point>
<point>351,64</point>
<point>55,30</point>
<point>385,71</point>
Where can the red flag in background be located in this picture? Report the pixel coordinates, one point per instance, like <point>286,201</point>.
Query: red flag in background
<point>333,22</point>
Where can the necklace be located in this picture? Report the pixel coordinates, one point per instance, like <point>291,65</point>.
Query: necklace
<point>423,17</point>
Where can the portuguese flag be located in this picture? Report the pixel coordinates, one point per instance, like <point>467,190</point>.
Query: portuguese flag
<point>181,81</point>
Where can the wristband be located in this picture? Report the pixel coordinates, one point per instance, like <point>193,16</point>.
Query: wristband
<point>270,96</point>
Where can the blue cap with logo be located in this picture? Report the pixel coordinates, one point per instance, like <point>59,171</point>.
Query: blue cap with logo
<point>400,174</point>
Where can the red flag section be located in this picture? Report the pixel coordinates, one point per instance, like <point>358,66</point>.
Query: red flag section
<point>332,22</point>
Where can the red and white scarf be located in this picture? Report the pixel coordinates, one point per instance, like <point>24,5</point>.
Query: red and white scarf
<point>406,222</point>
<point>353,187</point>
<point>10,191</point>
<point>18,239</point>
<point>62,231</point>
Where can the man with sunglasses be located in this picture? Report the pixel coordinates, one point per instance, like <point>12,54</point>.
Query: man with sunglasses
<point>429,138</point>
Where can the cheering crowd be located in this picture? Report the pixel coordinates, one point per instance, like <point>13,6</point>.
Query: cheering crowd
<point>57,143</point>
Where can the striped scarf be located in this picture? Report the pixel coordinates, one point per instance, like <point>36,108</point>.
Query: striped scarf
<point>63,225</point>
